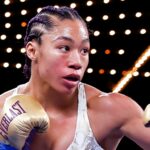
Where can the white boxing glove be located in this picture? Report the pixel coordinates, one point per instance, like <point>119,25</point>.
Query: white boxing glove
<point>20,115</point>
<point>147,116</point>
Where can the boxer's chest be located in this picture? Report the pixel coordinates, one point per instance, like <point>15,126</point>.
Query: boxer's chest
<point>61,133</point>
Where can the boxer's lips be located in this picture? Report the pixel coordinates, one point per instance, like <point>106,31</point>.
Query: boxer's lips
<point>72,77</point>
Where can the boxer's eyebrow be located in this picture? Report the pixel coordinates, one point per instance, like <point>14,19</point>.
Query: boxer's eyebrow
<point>64,38</point>
<point>70,39</point>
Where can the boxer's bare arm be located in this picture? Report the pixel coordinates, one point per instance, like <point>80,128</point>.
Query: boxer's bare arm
<point>133,124</point>
<point>127,119</point>
<point>106,108</point>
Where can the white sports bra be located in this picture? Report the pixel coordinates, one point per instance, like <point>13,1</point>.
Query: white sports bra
<point>84,138</point>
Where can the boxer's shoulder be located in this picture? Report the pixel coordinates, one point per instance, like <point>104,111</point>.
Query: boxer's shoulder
<point>111,103</point>
<point>97,97</point>
<point>15,90</point>
<point>92,92</point>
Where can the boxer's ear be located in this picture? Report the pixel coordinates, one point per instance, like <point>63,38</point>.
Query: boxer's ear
<point>32,50</point>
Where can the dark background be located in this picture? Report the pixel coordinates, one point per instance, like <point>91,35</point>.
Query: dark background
<point>133,44</point>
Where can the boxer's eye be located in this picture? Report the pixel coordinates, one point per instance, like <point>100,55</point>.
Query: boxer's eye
<point>64,48</point>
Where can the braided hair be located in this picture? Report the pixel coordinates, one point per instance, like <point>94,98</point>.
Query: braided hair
<point>43,22</point>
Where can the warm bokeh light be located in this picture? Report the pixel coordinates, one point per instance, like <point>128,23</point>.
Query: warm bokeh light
<point>107,51</point>
<point>101,71</point>
<point>23,24</point>
<point>133,71</point>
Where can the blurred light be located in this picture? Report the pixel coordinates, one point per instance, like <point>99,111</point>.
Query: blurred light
<point>56,6</point>
<point>3,37</point>
<point>88,18</point>
<point>93,51</point>
<point>6,2</point>
<point>107,51</point>
<point>112,32</point>
<point>22,0</point>
<point>5,64</point>
<point>7,25</point>
<point>138,14</point>
<point>89,3</point>
<point>23,50</point>
<point>18,36</point>
<point>89,70</point>
<point>147,74</point>
<point>142,31</point>
<point>96,33</point>
<point>23,12</point>
<point>101,71</point>
<point>106,1</point>
<point>39,9</point>
<point>7,14</point>
<point>112,71</point>
<point>73,5</point>
<point>122,82</point>
<point>136,73</point>
<point>23,24</point>
<point>105,17</point>
<point>9,50</point>
<point>122,16</point>
<point>121,51</point>
<point>127,32</point>
<point>142,58</point>
<point>18,65</point>
<point>138,63</point>
<point>124,72</point>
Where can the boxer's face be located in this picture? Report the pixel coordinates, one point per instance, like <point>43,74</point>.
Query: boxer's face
<point>63,55</point>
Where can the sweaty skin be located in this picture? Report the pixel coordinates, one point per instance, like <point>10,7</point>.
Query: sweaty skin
<point>58,64</point>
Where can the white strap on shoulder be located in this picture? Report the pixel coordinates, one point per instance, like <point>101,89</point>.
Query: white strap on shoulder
<point>16,90</point>
<point>82,104</point>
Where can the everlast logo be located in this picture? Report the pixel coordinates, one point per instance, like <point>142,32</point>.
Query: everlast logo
<point>14,111</point>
